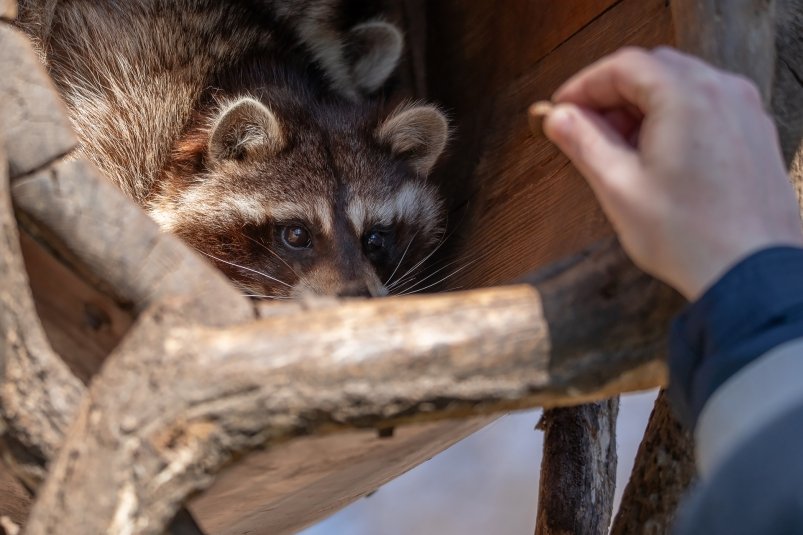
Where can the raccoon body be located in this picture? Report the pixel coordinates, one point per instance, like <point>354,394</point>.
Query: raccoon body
<point>247,129</point>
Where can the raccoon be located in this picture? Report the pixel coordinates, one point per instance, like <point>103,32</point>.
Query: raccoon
<point>248,129</point>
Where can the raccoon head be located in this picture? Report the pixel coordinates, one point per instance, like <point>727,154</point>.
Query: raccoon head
<point>290,198</point>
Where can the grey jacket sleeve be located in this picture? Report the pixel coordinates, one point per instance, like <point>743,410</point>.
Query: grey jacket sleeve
<point>750,453</point>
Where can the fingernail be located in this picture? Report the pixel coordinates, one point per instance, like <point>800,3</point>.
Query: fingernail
<point>559,123</point>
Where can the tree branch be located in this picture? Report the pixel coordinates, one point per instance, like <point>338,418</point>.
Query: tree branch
<point>578,469</point>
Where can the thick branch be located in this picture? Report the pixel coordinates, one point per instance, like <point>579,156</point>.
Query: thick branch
<point>176,401</point>
<point>38,393</point>
<point>578,469</point>
<point>663,470</point>
<point>734,34</point>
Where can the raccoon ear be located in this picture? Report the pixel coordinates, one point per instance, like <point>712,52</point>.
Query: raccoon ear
<point>245,129</point>
<point>418,134</point>
<point>376,47</point>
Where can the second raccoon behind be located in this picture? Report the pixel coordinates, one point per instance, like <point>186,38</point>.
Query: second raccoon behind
<point>243,128</point>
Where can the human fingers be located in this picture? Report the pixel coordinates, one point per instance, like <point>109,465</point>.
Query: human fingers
<point>627,123</point>
<point>598,151</point>
<point>630,77</point>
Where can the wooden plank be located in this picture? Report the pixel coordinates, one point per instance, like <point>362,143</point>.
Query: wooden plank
<point>662,473</point>
<point>578,469</point>
<point>474,50</point>
<point>82,324</point>
<point>529,205</point>
<point>295,485</point>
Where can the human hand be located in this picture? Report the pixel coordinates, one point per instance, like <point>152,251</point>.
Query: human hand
<point>683,159</point>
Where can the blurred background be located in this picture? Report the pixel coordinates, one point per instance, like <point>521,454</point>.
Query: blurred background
<point>487,483</point>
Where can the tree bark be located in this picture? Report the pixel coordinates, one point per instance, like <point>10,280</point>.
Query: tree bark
<point>578,469</point>
<point>737,35</point>
<point>663,471</point>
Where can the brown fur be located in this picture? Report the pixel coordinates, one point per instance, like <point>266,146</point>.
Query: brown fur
<point>232,122</point>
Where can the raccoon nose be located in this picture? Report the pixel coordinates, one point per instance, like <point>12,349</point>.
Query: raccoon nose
<point>354,289</point>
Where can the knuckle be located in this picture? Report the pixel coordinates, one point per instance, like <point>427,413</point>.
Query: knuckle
<point>746,89</point>
<point>666,52</point>
<point>710,85</point>
<point>631,53</point>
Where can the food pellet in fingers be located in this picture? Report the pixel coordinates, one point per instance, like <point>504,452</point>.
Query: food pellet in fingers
<point>536,114</point>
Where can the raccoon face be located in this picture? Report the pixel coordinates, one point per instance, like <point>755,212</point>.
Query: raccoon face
<point>326,201</point>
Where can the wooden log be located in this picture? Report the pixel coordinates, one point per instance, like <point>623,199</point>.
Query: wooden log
<point>737,35</point>
<point>197,395</point>
<point>33,121</point>
<point>117,247</point>
<point>38,393</point>
<point>578,469</point>
<point>787,88</point>
<point>663,471</point>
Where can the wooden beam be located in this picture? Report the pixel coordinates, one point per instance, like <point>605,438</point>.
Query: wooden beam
<point>662,473</point>
<point>578,469</point>
<point>737,35</point>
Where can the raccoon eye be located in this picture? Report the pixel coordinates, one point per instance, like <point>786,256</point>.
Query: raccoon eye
<point>296,237</point>
<point>374,241</point>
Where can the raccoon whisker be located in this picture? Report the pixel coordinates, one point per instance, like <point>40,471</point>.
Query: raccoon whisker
<point>452,274</point>
<point>420,262</point>
<point>429,276</point>
<point>439,266</point>
<point>387,282</point>
<point>412,277</point>
<point>274,279</point>
<point>274,253</point>
<point>274,297</point>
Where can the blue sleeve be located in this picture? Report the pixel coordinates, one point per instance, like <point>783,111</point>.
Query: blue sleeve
<point>757,491</point>
<point>756,306</point>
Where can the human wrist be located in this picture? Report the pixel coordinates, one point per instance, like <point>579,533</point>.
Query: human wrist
<point>756,305</point>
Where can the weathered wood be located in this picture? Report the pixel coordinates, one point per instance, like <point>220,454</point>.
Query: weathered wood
<point>197,395</point>
<point>578,469</point>
<point>118,247</point>
<point>33,121</point>
<point>38,393</point>
<point>82,324</point>
<point>15,499</point>
<point>733,34</point>
<point>290,486</point>
<point>787,89</point>
<point>8,9</point>
<point>663,471</point>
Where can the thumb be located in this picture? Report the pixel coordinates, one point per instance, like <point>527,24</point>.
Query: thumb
<point>597,150</point>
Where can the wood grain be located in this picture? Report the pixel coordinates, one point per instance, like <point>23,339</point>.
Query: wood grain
<point>662,473</point>
<point>527,205</point>
<point>578,469</point>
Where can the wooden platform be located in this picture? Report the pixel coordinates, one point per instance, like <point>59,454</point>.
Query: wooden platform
<point>516,205</point>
